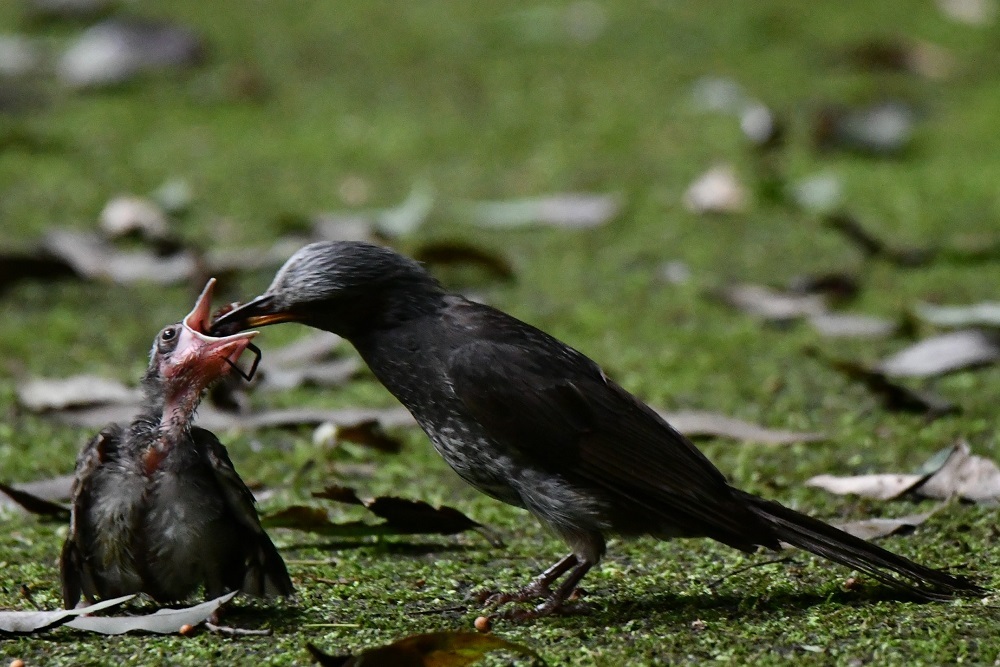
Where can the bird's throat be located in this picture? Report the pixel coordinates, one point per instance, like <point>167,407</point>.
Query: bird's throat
<point>175,424</point>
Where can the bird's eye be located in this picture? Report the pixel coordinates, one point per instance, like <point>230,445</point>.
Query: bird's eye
<point>168,334</point>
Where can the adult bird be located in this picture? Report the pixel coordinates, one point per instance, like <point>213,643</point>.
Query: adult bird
<point>157,506</point>
<point>534,423</point>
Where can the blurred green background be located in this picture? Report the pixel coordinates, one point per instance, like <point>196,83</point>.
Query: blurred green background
<point>310,106</point>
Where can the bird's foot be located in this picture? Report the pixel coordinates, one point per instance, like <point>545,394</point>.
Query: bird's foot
<point>538,588</point>
<point>533,591</point>
<point>553,604</point>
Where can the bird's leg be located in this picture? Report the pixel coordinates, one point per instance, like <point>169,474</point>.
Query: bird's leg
<point>539,586</point>
<point>555,600</point>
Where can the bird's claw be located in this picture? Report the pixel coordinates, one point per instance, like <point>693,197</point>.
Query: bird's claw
<point>494,599</point>
<point>551,606</point>
<point>552,603</point>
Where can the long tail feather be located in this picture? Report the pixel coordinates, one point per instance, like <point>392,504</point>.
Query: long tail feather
<point>824,540</point>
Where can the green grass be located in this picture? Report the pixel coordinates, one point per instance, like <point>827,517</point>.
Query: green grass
<point>492,100</point>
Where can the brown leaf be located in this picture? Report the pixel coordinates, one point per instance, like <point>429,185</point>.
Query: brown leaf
<point>434,649</point>
<point>416,516</point>
<point>405,516</point>
<point>299,517</point>
<point>370,433</point>
<point>340,494</point>
<point>901,55</point>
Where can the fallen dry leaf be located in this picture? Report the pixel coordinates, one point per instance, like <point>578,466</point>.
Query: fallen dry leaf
<point>872,246</point>
<point>951,473</point>
<point>434,649</point>
<point>878,486</point>
<point>162,621</point>
<point>871,529</point>
<point>696,424</point>
<point>24,622</point>
<point>572,210</point>
<point>885,128</point>
<point>895,396</point>
<point>369,433</point>
<point>117,50</point>
<point>42,394</point>
<point>369,225</point>
<point>718,190</point>
<point>92,257</point>
<point>138,217</point>
<point>771,304</point>
<point>964,475</point>
<point>851,325</point>
<point>401,517</point>
<point>902,55</point>
<point>946,353</point>
<point>979,314</point>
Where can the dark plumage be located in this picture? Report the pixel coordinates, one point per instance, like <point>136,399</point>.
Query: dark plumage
<point>157,505</point>
<point>532,422</point>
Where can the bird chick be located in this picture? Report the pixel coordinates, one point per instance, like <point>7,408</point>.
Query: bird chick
<point>157,506</point>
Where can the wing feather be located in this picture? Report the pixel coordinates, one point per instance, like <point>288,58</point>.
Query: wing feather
<point>557,409</point>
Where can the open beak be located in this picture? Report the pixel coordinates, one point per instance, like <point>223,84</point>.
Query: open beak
<point>256,313</point>
<point>202,354</point>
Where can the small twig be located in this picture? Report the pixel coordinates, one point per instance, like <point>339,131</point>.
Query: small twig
<point>236,632</point>
<point>326,561</point>
<point>442,610</point>
<point>331,625</point>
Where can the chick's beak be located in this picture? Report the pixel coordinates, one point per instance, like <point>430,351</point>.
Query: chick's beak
<point>256,313</point>
<point>200,355</point>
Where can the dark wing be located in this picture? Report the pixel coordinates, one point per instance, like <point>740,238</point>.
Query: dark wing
<point>556,408</point>
<point>73,568</point>
<point>266,573</point>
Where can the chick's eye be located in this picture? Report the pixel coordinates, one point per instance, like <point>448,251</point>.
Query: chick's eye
<point>168,334</point>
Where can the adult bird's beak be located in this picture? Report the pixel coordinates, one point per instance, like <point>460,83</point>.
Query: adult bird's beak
<point>256,313</point>
<point>200,354</point>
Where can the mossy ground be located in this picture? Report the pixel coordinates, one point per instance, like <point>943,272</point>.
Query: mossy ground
<point>493,100</point>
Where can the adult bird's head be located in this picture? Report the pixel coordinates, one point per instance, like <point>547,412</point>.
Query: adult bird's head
<point>346,287</point>
<point>185,359</point>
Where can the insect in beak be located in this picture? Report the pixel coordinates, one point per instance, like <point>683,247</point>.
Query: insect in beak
<point>247,375</point>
